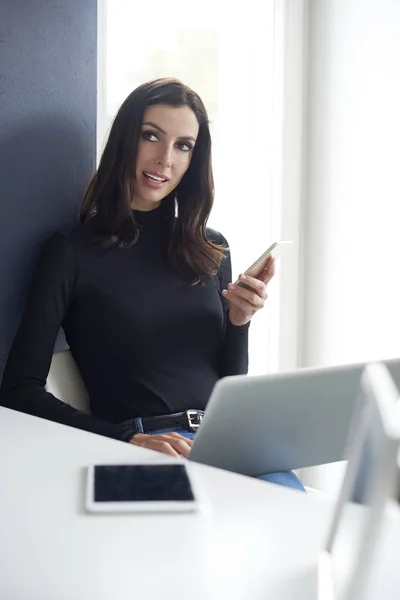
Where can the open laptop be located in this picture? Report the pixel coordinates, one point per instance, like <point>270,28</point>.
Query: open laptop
<point>262,424</point>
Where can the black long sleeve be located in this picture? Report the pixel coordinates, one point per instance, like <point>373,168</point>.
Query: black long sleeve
<point>23,386</point>
<point>233,356</point>
<point>145,341</point>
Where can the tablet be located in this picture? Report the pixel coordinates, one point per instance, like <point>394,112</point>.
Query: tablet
<point>150,487</point>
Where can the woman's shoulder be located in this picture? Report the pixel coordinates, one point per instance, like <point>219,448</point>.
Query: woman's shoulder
<point>76,240</point>
<point>216,237</point>
<point>83,234</point>
<point>65,245</point>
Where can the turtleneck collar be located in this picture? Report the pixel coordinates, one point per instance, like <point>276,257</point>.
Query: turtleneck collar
<point>150,219</point>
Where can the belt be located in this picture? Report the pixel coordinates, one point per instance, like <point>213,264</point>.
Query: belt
<point>189,419</point>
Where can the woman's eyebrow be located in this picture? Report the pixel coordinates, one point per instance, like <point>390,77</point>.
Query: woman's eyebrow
<point>183,137</point>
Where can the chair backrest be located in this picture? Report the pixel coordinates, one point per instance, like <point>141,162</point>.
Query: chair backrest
<point>65,382</point>
<point>374,441</point>
<point>397,493</point>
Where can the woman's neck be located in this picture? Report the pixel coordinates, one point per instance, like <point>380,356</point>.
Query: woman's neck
<point>143,205</point>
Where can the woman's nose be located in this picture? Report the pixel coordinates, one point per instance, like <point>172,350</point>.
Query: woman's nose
<point>165,157</point>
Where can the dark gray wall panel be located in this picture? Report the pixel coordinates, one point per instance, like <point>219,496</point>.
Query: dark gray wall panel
<point>47,134</point>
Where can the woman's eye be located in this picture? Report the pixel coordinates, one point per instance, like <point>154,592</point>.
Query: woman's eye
<point>184,146</point>
<point>149,136</point>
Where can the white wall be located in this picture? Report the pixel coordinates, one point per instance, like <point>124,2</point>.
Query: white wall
<point>352,201</point>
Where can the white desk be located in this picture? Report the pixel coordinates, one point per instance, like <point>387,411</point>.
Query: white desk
<point>256,540</point>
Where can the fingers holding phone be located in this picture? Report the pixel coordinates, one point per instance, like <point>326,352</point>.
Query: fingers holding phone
<point>266,274</point>
<point>245,300</point>
<point>249,293</point>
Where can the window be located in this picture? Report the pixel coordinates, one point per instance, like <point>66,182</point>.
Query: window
<point>227,55</point>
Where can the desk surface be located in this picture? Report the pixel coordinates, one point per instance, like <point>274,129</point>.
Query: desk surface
<point>253,541</point>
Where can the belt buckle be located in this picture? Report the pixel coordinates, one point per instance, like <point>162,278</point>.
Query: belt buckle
<point>193,415</point>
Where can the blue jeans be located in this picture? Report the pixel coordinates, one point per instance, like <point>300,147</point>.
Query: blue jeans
<point>286,478</point>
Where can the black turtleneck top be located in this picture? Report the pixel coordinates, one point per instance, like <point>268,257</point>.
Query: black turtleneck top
<point>146,342</point>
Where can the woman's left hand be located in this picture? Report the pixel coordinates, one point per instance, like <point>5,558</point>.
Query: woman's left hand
<point>246,301</point>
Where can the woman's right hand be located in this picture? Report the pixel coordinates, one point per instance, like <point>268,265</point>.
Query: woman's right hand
<point>173,443</point>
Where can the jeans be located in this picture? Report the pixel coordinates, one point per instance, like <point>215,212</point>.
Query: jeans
<point>285,478</point>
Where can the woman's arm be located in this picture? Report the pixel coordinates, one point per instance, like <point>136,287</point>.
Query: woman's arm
<point>53,288</point>
<point>233,356</point>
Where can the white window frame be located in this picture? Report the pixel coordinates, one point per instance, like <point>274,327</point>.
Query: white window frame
<point>289,171</point>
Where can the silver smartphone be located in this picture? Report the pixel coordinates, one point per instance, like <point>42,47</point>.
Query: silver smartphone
<point>259,265</point>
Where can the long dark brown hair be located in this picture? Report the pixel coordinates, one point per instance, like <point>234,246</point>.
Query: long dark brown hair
<point>110,192</point>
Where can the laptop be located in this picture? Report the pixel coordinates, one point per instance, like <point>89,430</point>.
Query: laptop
<point>262,424</point>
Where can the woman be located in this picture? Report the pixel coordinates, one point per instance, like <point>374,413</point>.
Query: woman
<point>141,288</point>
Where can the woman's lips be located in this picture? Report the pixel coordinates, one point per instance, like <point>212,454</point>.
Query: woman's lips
<point>153,183</point>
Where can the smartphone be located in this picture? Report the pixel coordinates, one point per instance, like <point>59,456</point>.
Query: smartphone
<point>154,487</point>
<point>259,265</point>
